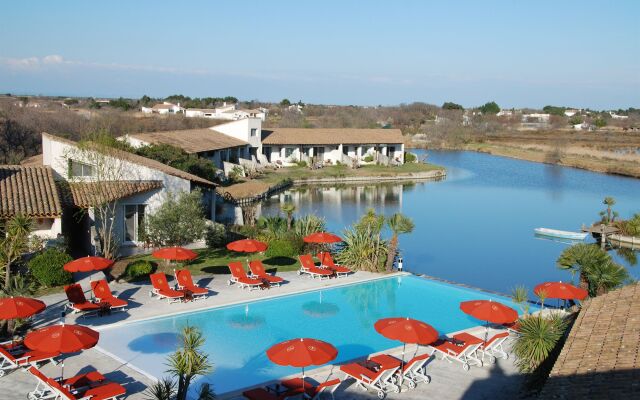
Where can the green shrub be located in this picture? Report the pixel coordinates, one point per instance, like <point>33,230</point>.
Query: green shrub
<point>48,267</point>
<point>302,164</point>
<point>216,235</point>
<point>409,157</point>
<point>284,248</point>
<point>368,158</point>
<point>139,268</point>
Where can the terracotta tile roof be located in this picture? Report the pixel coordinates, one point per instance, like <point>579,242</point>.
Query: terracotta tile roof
<point>28,190</point>
<point>192,140</point>
<point>601,357</point>
<point>310,136</point>
<point>89,194</point>
<point>144,161</point>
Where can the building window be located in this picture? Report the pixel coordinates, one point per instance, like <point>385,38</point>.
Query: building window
<point>253,132</point>
<point>288,151</point>
<point>78,169</point>
<point>133,222</point>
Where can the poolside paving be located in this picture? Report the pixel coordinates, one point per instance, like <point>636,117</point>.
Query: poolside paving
<point>449,381</point>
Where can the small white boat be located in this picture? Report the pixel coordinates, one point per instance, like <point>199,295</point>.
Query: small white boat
<point>561,234</point>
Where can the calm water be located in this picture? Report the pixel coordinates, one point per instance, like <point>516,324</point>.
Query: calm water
<point>476,227</point>
<point>238,336</point>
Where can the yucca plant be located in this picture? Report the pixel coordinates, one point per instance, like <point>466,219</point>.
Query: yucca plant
<point>520,295</point>
<point>539,335</point>
<point>362,251</point>
<point>288,209</point>
<point>309,224</point>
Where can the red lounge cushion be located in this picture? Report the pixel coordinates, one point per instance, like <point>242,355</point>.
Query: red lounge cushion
<point>296,383</point>
<point>115,302</point>
<point>357,371</point>
<point>249,281</point>
<point>272,279</point>
<point>415,360</point>
<point>319,271</point>
<point>105,391</point>
<point>85,306</point>
<point>36,355</point>
<point>83,380</point>
<point>170,293</point>
<point>197,289</point>
<point>259,394</point>
<point>340,268</point>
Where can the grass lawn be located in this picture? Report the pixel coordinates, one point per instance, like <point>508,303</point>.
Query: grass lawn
<point>213,261</point>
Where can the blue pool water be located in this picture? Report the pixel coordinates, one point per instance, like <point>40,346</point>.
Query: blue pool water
<point>238,336</point>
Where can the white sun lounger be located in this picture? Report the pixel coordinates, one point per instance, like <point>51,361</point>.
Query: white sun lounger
<point>465,354</point>
<point>380,381</point>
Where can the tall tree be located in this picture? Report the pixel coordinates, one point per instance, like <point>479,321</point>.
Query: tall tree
<point>598,272</point>
<point>14,243</point>
<point>288,209</point>
<point>178,221</point>
<point>608,215</point>
<point>398,224</point>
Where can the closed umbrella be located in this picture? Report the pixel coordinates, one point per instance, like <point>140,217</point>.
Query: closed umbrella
<point>302,352</point>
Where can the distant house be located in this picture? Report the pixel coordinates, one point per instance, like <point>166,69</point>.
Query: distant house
<point>226,112</point>
<point>164,108</point>
<point>138,189</point>
<point>617,116</point>
<point>298,108</point>
<point>31,191</point>
<point>226,142</point>
<point>570,112</point>
<point>536,117</point>
<point>508,113</point>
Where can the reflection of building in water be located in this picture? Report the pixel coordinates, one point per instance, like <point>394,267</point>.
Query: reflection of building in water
<point>337,201</point>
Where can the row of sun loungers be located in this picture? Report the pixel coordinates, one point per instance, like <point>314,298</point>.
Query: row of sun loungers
<point>384,373</point>
<point>103,299</point>
<point>326,269</point>
<point>90,385</point>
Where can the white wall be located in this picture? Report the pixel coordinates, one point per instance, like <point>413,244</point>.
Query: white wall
<point>241,130</point>
<point>46,228</point>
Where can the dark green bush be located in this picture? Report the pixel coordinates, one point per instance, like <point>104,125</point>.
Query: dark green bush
<point>216,235</point>
<point>302,164</point>
<point>409,157</point>
<point>284,248</point>
<point>48,267</point>
<point>139,268</point>
<point>368,158</point>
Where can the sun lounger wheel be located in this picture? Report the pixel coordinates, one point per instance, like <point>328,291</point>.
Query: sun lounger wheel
<point>1,373</point>
<point>465,366</point>
<point>396,389</point>
<point>411,384</point>
<point>381,394</point>
<point>492,359</point>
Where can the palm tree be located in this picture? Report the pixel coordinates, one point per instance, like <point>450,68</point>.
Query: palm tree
<point>288,209</point>
<point>188,362</point>
<point>598,273</point>
<point>608,215</point>
<point>520,296</point>
<point>14,244</point>
<point>399,224</point>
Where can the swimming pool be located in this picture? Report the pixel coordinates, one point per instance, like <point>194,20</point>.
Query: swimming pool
<point>237,336</point>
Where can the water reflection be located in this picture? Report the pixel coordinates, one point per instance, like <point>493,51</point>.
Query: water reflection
<point>554,175</point>
<point>245,320</point>
<point>163,342</point>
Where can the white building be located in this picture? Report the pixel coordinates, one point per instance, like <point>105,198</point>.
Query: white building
<point>536,117</point>
<point>617,116</point>
<point>136,186</point>
<point>245,138</point>
<point>226,112</point>
<point>570,112</point>
<point>164,108</point>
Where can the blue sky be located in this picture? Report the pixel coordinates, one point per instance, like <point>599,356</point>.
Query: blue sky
<point>578,53</point>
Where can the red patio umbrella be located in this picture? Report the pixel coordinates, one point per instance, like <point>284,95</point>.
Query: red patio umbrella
<point>489,311</point>
<point>560,290</point>
<point>19,307</point>
<point>62,338</point>
<point>247,246</point>
<point>322,237</point>
<point>406,330</point>
<point>175,254</point>
<point>302,352</point>
<point>87,264</point>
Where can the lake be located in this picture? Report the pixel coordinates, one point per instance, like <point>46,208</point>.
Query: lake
<point>476,227</point>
